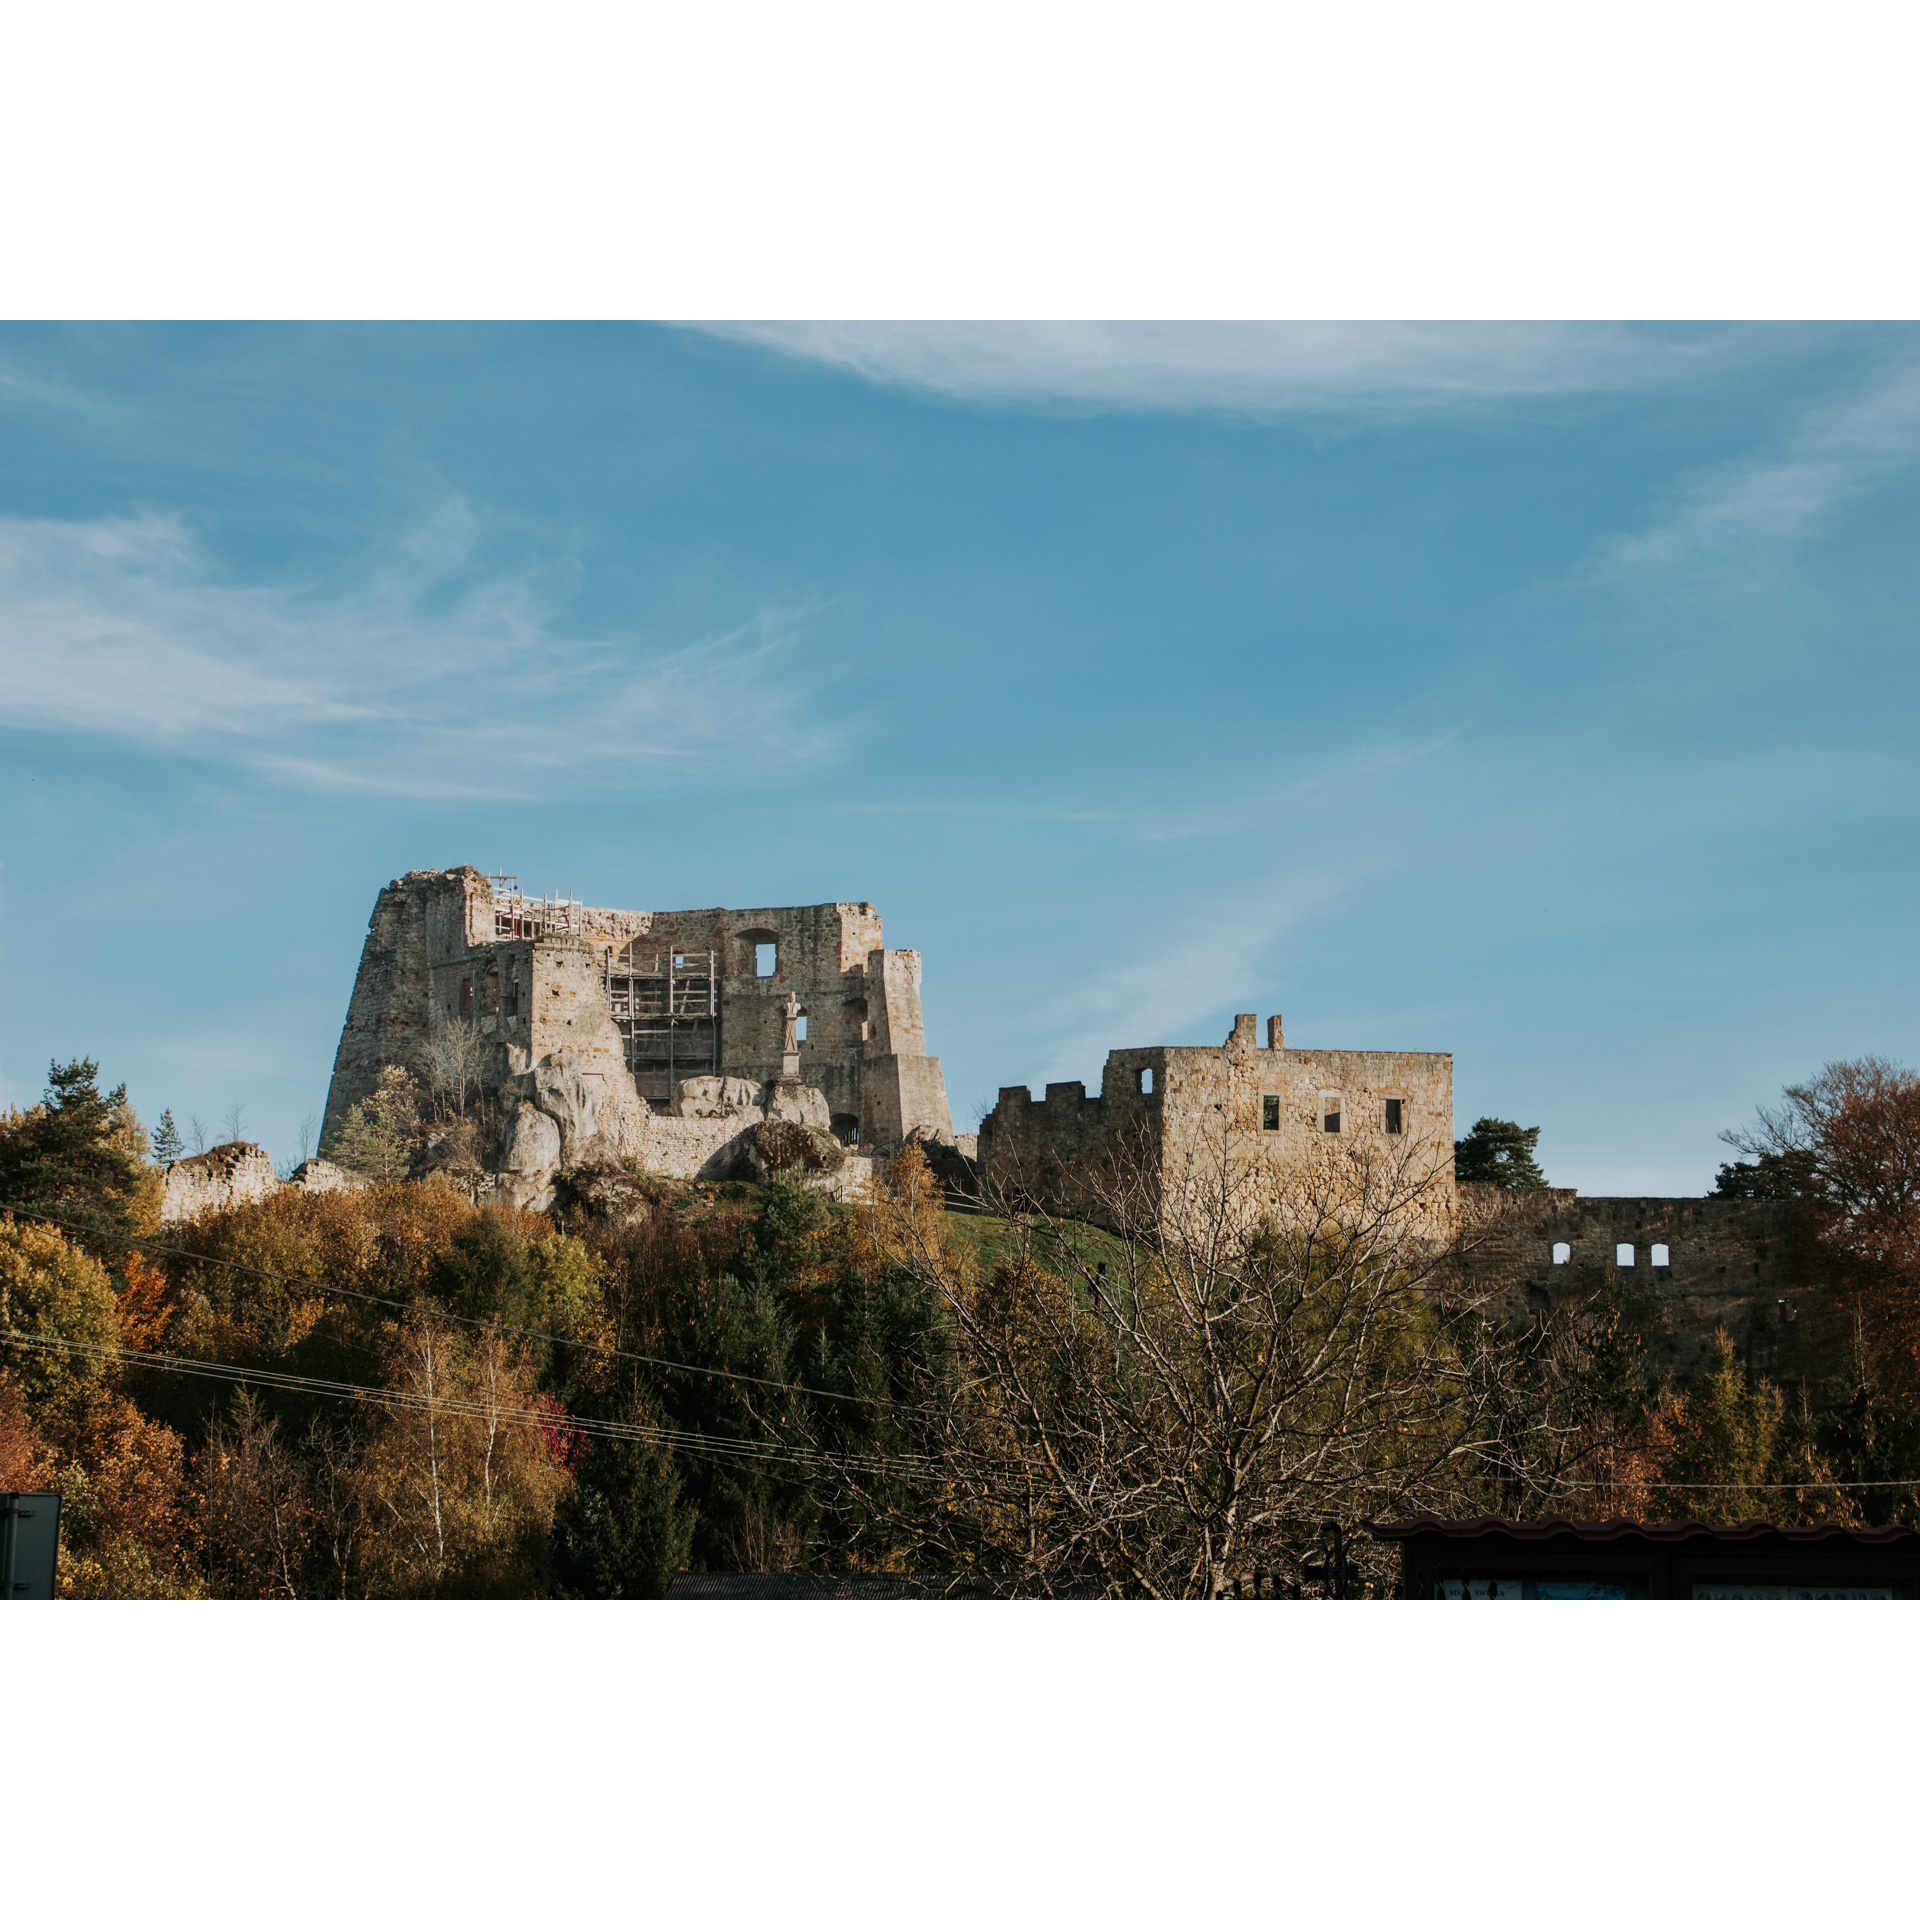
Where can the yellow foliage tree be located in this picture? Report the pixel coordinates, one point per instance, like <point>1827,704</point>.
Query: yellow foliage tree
<point>50,1290</point>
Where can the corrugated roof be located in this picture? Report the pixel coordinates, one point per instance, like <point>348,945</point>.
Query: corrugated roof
<point>1654,1532</point>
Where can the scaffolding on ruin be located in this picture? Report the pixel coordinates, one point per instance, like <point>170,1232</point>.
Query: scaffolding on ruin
<point>667,1007</point>
<point>519,916</point>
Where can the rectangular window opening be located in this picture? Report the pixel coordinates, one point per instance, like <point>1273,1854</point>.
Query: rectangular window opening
<point>766,959</point>
<point>1330,1119</point>
<point>1146,1079</point>
<point>1393,1116</point>
<point>1270,1113</point>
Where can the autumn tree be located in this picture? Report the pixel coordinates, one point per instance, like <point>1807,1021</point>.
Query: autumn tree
<point>128,1517</point>
<point>1732,1449</point>
<point>257,1518</point>
<point>459,1476</point>
<point>58,1316</point>
<point>1180,1396</point>
<point>1846,1146</point>
<point>377,1136</point>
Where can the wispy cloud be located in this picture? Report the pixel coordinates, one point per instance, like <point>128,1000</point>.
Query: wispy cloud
<point>1269,367</point>
<point>430,675</point>
<point>1727,533</point>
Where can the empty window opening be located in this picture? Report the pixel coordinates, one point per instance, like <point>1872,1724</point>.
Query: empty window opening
<point>466,996</point>
<point>766,958</point>
<point>1270,1112</point>
<point>1659,1257</point>
<point>1329,1113</point>
<point>513,999</point>
<point>1562,1253</point>
<point>800,1027</point>
<point>1147,1083</point>
<point>1394,1112</point>
<point>1623,1254</point>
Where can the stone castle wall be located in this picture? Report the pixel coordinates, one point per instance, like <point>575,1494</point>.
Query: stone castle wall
<point>443,952</point>
<point>1733,1264</point>
<point>238,1174</point>
<point>1263,1110</point>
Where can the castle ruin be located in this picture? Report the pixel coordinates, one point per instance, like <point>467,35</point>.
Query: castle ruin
<point>1269,1109</point>
<point>665,1040</point>
<point>652,1038</point>
<point>1263,1117</point>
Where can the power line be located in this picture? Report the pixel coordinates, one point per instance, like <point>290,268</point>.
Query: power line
<point>164,1251</point>
<point>910,1466</point>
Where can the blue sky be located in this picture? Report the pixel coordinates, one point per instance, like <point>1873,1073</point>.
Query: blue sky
<point>1543,694</point>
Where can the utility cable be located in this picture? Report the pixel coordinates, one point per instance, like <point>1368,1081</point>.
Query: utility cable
<point>717,1445</point>
<point>164,1251</point>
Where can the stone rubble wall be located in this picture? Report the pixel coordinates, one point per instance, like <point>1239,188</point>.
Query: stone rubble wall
<point>236,1175</point>
<point>224,1176</point>
<point>1729,1264</point>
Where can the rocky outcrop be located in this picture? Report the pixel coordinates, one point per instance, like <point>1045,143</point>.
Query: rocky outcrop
<point>957,1172</point>
<point>799,1105</point>
<point>714,1096</point>
<point>562,1115</point>
<point>610,1196</point>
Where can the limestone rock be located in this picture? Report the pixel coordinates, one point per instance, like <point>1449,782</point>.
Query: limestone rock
<point>533,1141</point>
<point>561,1092</point>
<point>957,1172</point>
<point>782,1146</point>
<point>799,1105</point>
<point>714,1096</point>
<point>610,1195</point>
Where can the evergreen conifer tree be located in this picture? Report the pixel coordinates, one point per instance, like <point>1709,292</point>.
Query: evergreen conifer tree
<point>622,1533</point>
<point>1498,1153</point>
<point>167,1144</point>
<point>78,1156</point>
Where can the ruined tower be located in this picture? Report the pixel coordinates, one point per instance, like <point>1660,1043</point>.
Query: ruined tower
<point>654,1018</point>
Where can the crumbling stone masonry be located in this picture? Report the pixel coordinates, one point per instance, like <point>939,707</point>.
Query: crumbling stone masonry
<point>1691,1266</point>
<point>1271,1106</point>
<point>657,1038</point>
<point>236,1174</point>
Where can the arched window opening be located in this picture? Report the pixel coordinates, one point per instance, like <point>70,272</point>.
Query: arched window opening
<point>1146,1081</point>
<point>1659,1255</point>
<point>1623,1254</point>
<point>1562,1253</point>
